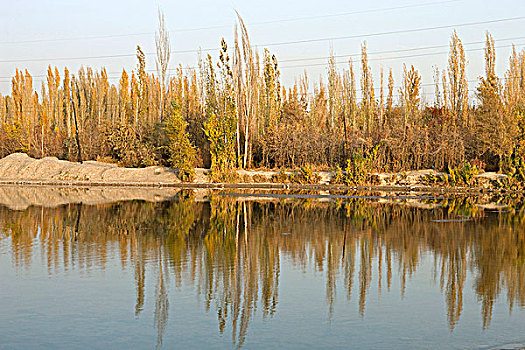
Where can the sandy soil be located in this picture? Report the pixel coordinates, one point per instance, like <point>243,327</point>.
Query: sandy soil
<point>19,167</point>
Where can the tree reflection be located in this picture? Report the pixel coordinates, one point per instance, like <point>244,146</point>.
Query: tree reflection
<point>231,249</point>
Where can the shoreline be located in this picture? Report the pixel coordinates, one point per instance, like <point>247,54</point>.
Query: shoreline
<point>18,169</point>
<point>21,197</point>
<point>255,186</point>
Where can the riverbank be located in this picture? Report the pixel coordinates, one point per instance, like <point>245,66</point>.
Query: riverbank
<point>17,197</point>
<point>20,169</point>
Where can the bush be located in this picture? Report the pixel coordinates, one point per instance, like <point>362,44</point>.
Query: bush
<point>257,178</point>
<point>515,170</point>
<point>127,148</point>
<point>225,176</point>
<point>464,175</point>
<point>306,176</point>
<point>282,177</point>
<point>359,167</point>
<point>339,176</point>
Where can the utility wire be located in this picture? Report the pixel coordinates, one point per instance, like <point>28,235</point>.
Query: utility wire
<point>68,58</point>
<point>284,20</point>
<point>118,74</point>
<point>394,58</point>
<point>278,43</point>
<point>392,51</point>
<point>362,36</point>
<point>402,31</point>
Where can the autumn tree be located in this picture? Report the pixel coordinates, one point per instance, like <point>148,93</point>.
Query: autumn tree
<point>455,98</point>
<point>181,151</point>
<point>457,79</point>
<point>496,128</point>
<point>246,86</point>
<point>220,128</point>
<point>367,91</point>
<point>270,105</point>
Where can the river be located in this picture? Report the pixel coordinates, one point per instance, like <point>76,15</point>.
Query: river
<point>259,271</point>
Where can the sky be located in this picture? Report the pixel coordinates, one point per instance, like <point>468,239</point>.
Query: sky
<point>39,33</point>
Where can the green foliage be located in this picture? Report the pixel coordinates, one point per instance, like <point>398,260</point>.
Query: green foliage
<point>306,176</point>
<point>127,148</point>
<point>181,151</point>
<point>12,139</point>
<point>339,176</point>
<point>463,175</point>
<point>220,131</point>
<point>359,167</point>
<point>444,179</point>
<point>514,168</point>
<point>431,179</point>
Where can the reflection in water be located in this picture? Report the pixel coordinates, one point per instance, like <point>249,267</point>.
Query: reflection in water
<point>231,249</point>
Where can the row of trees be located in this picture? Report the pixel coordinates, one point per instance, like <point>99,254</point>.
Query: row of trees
<point>234,112</point>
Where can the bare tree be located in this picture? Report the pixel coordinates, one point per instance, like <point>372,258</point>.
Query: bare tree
<point>162,42</point>
<point>251,89</point>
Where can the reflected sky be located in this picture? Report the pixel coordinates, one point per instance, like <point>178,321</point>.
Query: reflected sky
<point>265,272</point>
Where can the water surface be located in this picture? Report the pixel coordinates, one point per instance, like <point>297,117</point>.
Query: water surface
<point>265,271</point>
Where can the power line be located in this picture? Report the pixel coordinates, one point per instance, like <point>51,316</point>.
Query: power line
<point>403,31</point>
<point>392,51</point>
<point>392,58</point>
<point>362,36</point>
<point>357,12</point>
<point>67,58</point>
<point>279,43</point>
<point>284,20</point>
<point>118,74</point>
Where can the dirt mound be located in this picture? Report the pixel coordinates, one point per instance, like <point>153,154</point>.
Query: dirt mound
<point>19,166</point>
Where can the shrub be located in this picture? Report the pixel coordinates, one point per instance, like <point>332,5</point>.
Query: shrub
<point>257,178</point>
<point>225,176</point>
<point>127,148</point>
<point>463,175</point>
<point>339,176</point>
<point>306,175</point>
<point>515,170</point>
<point>359,167</point>
<point>281,177</point>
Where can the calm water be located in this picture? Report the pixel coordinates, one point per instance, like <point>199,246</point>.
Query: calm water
<point>264,272</point>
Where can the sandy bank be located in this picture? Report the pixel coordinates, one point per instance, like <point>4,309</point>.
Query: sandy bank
<point>20,169</point>
<point>19,166</point>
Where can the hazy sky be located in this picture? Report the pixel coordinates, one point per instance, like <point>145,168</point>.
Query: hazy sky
<point>38,33</point>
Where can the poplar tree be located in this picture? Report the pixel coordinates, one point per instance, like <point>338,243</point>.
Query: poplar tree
<point>455,94</point>
<point>457,79</point>
<point>367,91</point>
<point>496,128</point>
<point>181,151</point>
<point>221,124</point>
<point>270,105</point>
<point>390,95</point>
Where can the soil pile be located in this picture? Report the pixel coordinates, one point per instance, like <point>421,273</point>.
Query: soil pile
<point>19,166</point>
